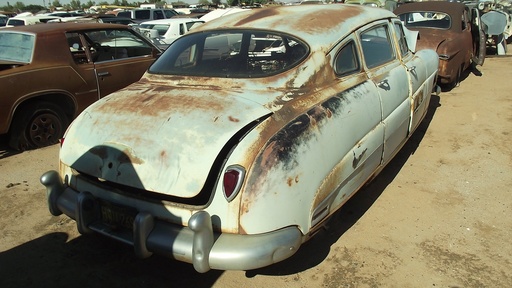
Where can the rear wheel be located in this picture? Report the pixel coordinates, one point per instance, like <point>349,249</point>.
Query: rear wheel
<point>456,80</point>
<point>37,124</point>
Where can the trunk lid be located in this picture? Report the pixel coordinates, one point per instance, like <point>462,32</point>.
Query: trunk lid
<point>163,139</point>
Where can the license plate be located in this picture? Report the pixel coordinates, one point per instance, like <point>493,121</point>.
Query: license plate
<point>117,217</point>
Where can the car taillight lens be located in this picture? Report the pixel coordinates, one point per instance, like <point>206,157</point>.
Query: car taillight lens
<point>61,141</point>
<point>233,179</point>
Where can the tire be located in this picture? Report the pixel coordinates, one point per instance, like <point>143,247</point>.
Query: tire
<point>36,125</point>
<point>456,81</point>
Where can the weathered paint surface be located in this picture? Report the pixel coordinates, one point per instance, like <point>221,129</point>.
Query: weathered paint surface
<point>307,138</point>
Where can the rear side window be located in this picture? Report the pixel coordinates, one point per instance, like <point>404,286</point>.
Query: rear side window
<point>170,13</point>
<point>15,22</point>
<point>347,61</point>
<point>157,14</point>
<point>232,54</point>
<point>377,48</point>
<point>142,14</point>
<point>126,14</point>
<point>16,47</point>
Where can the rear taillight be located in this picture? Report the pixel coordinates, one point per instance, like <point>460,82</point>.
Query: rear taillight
<point>233,179</point>
<point>61,141</point>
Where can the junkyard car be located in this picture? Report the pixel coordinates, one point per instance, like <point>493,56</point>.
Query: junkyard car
<point>50,72</point>
<point>165,31</point>
<point>231,159</point>
<point>3,20</point>
<point>496,15</point>
<point>447,28</point>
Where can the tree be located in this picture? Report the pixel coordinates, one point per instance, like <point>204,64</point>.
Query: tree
<point>56,3</point>
<point>33,8</point>
<point>19,6</point>
<point>75,4</point>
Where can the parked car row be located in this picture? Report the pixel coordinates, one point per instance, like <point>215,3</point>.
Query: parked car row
<point>228,155</point>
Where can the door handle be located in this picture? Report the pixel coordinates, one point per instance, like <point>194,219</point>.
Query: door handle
<point>102,74</point>
<point>384,84</point>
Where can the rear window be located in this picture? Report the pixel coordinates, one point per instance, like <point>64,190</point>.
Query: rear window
<point>16,47</point>
<point>16,22</point>
<point>142,14</point>
<point>231,54</point>
<point>126,14</point>
<point>426,19</point>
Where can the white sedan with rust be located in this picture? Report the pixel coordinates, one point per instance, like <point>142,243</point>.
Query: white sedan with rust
<point>228,155</point>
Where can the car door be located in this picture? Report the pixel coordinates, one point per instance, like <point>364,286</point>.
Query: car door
<point>479,37</point>
<point>356,140</point>
<point>417,74</point>
<point>390,77</point>
<point>87,91</point>
<point>120,58</point>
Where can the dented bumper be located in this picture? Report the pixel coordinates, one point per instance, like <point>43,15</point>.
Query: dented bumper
<point>197,244</point>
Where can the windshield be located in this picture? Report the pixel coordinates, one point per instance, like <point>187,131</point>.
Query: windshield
<point>16,47</point>
<point>426,19</point>
<point>232,54</point>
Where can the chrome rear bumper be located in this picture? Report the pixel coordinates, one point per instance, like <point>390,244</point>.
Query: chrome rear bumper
<point>196,244</point>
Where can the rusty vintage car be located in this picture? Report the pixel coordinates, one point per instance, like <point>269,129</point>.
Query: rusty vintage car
<point>50,72</point>
<point>450,28</point>
<point>229,156</point>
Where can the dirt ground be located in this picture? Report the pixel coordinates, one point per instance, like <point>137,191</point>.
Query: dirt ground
<point>438,216</point>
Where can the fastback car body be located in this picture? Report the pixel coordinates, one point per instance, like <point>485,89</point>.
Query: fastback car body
<point>231,159</point>
<point>452,30</point>
<point>50,72</point>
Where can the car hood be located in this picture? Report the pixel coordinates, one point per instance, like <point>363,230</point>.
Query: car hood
<point>162,139</point>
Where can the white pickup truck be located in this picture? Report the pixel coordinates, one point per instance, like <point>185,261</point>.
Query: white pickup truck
<point>164,31</point>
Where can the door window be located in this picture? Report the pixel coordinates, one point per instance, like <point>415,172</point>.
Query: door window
<point>377,48</point>
<point>113,44</point>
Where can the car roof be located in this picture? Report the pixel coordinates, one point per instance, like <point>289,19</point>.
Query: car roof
<point>318,25</point>
<point>64,26</point>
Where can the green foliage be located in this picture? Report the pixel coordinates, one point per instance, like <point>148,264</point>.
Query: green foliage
<point>75,4</point>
